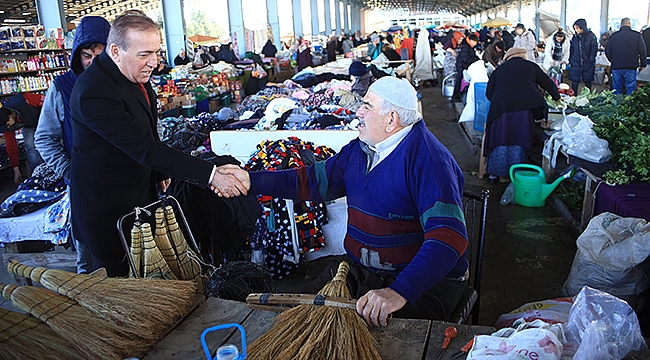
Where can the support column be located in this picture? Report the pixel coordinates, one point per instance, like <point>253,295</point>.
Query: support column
<point>604,15</point>
<point>537,21</point>
<point>337,17</point>
<point>346,16</point>
<point>274,21</point>
<point>297,18</point>
<point>519,11</point>
<point>51,14</point>
<point>563,14</point>
<point>328,17</point>
<point>236,20</point>
<point>315,28</point>
<point>174,28</point>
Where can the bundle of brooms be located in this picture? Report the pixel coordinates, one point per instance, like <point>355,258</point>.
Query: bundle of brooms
<point>93,337</point>
<point>23,336</point>
<point>167,254</point>
<point>145,308</point>
<point>318,331</point>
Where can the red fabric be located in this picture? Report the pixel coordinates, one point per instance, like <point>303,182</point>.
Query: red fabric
<point>144,92</point>
<point>408,44</point>
<point>12,147</point>
<point>34,99</point>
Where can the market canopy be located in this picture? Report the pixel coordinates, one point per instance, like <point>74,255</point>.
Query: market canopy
<point>497,22</point>
<point>202,39</point>
<point>454,26</point>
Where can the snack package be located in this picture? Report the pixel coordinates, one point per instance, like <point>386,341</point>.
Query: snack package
<point>17,43</point>
<point>39,30</point>
<point>41,42</point>
<point>16,32</point>
<point>5,45</point>
<point>5,33</point>
<point>30,43</point>
<point>28,31</point>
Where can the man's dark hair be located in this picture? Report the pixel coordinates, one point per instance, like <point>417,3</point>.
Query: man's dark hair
<point>472,36</point>
<point>499,44</point>
<point>130,20</point>
<point>520,26</point>
<point>4,116</point>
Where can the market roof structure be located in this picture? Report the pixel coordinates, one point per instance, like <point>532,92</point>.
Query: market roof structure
<point>75,9</point>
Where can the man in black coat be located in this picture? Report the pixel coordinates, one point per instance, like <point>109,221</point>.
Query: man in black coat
<point>118,160</point>
<point>466,56</point>
<point>626,51</point>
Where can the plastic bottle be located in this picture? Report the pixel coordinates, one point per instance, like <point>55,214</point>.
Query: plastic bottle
<point>227,352</point>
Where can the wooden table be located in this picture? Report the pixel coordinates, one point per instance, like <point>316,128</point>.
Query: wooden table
<point>401,339</point>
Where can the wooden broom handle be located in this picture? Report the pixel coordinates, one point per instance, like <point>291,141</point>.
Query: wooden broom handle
<point>266,299</point>
<point>29,272</point>
<point>342,272</point>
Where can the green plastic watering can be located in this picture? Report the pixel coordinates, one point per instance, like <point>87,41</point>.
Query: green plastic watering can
<point>531,189</point>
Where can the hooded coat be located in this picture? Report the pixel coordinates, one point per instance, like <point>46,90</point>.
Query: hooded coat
<point>53,136</point>
<point>582,55</point>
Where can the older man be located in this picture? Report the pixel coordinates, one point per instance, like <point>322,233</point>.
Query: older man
<point>117,158</point>
<point>626,51</point>
<point>406,231</point>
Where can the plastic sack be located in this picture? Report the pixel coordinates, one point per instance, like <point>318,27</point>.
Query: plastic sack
<point>475,73</point>
<point>601,326</point>
<point>508,196</point>
<point>580,140</point>
<point>610,257</point>
<point>551,311</point>
<point>536,340</point>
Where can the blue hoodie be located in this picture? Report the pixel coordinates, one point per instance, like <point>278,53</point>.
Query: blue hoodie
<point>53,136</point>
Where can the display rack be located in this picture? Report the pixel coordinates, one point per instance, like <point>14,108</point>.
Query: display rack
<point>30,69</point>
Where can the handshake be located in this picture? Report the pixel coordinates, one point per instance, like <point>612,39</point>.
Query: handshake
<point>230,181</point>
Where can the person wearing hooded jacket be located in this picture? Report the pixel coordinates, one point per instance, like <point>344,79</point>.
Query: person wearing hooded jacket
<point>53,136</point>
<point>582,56</point>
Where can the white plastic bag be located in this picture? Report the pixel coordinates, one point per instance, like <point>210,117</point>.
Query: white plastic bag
<point>476,73</point>
<point>610,257</point>
<point>601,327</point>
<point>536,340</point>
<point>580,140</point>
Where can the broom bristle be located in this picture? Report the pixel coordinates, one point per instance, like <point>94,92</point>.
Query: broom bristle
<point>23,336</point>
<point>164,243</point>
<point>188,263</point>
<point>134,304</point>
<point>136,250</point>
<point>155,266</point>
<point>93,337</point>
<point>318,332</point>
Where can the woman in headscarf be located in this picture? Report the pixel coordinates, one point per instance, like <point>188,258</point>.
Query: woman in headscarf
<point>332,45</point>
<point>303,57</point>
<point>269,50</point>
<point>582,56</point>
<point>515,104</point>
<point>450,47</point>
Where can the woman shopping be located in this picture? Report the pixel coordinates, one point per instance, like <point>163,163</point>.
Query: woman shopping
<point>515,105</point>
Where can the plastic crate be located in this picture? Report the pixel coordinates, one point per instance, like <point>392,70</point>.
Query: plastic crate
<point>482,106</point>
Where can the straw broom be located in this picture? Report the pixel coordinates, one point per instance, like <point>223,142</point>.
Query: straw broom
<point>93,337</point>
<point>23,336</point>
<point>164,244</point>
<point>133,304</point>
<point>188,260</point>
<point>136,250</point>
<point>318,332</point>
<point>155,266</point>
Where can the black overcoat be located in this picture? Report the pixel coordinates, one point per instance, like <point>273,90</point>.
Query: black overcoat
<point>117,157</point>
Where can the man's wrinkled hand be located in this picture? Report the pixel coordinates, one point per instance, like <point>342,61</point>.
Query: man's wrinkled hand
<point>376,305</point>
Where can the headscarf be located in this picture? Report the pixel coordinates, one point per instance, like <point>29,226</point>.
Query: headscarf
<point>514,52</point>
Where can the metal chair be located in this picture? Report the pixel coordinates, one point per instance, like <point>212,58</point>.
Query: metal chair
<point>475,209</point>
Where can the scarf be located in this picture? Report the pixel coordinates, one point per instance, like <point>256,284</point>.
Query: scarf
<point>557,49</point>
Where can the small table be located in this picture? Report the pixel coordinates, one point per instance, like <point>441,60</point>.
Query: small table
<point>401,339</point>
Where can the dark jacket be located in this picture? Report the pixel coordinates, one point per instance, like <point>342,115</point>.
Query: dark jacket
<point>646,38</point>
<point>226,54</point>
<point>28,113</point>
<point>582,54</point>
<point>269,50</point>
<point>117,157</point>
<point>626,49</point>
<point>508,40</point>
<point>466,56</point>
<point>178,60</point>
<point>492,55</point>
<point>513,87</point>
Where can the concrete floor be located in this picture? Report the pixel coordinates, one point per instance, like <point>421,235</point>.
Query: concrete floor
<point>528,251</point>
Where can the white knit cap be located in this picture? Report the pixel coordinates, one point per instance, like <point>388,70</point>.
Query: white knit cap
<point>396,91</point>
